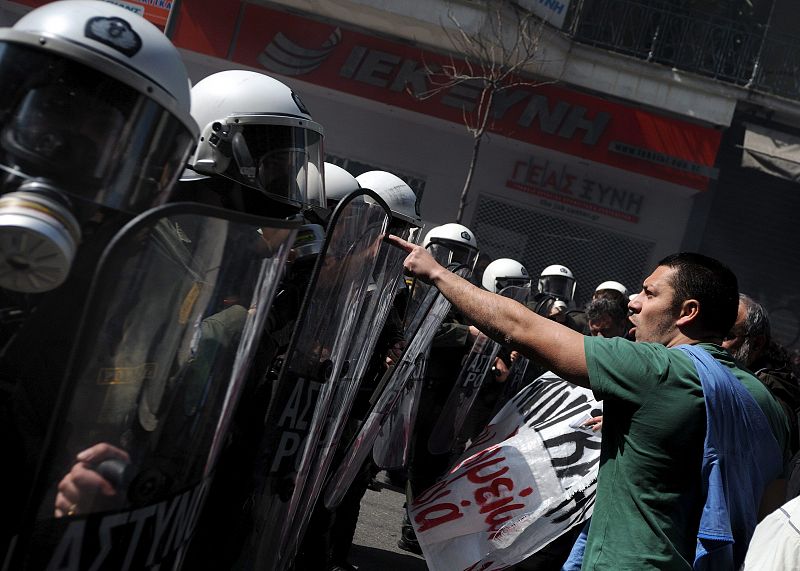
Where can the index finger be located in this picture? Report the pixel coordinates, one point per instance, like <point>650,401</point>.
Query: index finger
<point>102,451</point>
<point>400,243</point>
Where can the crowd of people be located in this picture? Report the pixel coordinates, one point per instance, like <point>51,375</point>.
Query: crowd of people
<point>208,350</point>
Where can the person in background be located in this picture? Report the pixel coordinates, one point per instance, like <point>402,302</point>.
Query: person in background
<point>750,342</point>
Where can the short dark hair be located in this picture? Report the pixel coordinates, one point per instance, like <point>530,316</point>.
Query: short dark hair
<point>711,283</point>
<point>608,302</point>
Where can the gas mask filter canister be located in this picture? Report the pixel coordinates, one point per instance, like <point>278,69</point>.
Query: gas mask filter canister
<point>38,238</point>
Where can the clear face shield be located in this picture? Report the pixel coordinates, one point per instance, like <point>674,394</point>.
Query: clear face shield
<point>279,159</point>
<point>502,283</point>
<point>449,253</point>
<point>562,287</point>
<point>73,140</point>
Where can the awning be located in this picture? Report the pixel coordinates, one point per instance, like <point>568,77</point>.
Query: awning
<point>773,152</point>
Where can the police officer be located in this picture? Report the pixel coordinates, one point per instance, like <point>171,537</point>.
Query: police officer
<point>94,129</point>
<point>452,245</point>
<point>260,152</point>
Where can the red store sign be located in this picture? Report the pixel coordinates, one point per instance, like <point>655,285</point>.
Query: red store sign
<point>549,116</point>
<point>395,73</point>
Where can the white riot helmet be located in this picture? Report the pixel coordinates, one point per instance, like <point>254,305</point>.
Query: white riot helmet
<point>504,272</point>
<point>452,244</point>
<point>94,112</point>
<point>338,184</point>
<point>256,131</point>
<point>398,196</point>
<point>616,286</point>
<point>558,281</point>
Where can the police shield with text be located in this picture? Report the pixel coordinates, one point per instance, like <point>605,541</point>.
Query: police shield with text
<point>454,245</point>
<point>378,301</point>
<point>316,359</point>
<point>132,321</point>
<point>510,279</point>
<point>259,152</point>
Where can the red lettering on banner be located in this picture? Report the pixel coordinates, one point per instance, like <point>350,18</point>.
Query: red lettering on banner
<point>488,508</point>
<point>481,494</point>
<point>476,478</point>
<point>432,494</point>
<point>482,468</point>
<point>451,513</point>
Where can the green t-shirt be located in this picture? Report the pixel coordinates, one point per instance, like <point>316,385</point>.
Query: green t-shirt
<point>649,495</point>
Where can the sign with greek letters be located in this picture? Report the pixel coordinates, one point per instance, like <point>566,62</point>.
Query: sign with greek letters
<point>529,477</point>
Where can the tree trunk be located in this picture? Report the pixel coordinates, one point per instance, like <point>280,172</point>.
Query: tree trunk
<point>476,145</point>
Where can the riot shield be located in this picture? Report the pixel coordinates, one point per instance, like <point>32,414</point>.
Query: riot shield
<point>316,359</point>
<point>514,383</point>
<point>388,398</point>
<point>176,307</point>
<point>386,279</point>
<point>477,366</point>
<point>393,443</point>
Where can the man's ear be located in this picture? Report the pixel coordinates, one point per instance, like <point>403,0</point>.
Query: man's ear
<point>689,312</point>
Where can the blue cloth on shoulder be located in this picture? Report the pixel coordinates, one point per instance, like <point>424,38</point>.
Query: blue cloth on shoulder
<point>741,456</point>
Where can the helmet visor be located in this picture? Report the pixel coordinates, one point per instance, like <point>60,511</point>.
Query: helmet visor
<point>91,135</point>
<point>281,161</point>
<point>449,253</point>
<point>562,287</point>
<point>502,283</point>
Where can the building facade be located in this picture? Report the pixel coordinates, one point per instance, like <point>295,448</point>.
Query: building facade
<point>643,127</point>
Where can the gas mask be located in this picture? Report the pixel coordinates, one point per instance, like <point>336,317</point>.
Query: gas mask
<point>76,136</point>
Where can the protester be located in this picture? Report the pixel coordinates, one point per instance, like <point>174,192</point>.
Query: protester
<point>750,342</point>
<point>652,484</point>
<point>607,314</point>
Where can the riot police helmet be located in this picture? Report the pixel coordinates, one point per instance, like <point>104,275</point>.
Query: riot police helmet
<point>504,272</point>
<point>558,281</point>
<point>338,184</point>
<point>94,113</point>
<point>613,285</point>
<point>256,131</point>
<point>452,244</point>
<point>398,195</point>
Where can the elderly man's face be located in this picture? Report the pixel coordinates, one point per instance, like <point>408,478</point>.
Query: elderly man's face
<point>737,342</point>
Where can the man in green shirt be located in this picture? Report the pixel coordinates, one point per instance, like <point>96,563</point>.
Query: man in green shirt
<point>649,497</point>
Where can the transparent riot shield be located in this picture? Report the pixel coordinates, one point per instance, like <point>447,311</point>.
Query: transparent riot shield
<point>387,400</point>
<point>393,443</point>
<point>515,382</point>
<point>316,359</point>
<point>387,278</point>
<point>477,366</point>
<point>176,307</point>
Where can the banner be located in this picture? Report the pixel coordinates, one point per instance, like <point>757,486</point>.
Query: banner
<point>528,478</point>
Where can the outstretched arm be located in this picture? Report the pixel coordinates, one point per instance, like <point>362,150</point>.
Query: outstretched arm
<point>503,319</point>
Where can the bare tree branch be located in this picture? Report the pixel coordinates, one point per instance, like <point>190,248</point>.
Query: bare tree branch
<point>494,59</point>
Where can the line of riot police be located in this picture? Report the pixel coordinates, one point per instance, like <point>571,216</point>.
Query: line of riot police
<point>202,330</point>
<point>185,319</point>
